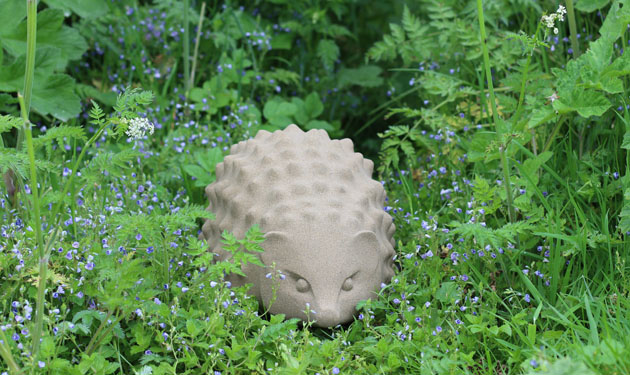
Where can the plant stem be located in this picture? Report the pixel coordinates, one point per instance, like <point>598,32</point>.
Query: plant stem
<point>93,340</point>
<point>31,38</point>
<point>186,47</point>
<point>5,353</point>
<point>196,52</point>
<point>573,29</point>
<point>43,259</point>
<point>521,96</point>
<point>495,114</point>
<point>554,132</point>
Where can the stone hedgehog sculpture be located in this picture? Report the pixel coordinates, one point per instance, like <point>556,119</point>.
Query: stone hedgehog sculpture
<point>323,219</point>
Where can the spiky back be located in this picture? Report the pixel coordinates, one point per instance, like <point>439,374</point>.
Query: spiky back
<point>277,178</point>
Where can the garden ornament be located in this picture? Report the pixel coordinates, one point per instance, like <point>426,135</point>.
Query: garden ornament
<point>326,233</point>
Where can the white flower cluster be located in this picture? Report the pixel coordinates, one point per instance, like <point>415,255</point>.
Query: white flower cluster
<point>550,20</point>
<point>138,127</point>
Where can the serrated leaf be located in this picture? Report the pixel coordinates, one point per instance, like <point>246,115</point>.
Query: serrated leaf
<point>589,6</point>
<point>84,8</point>
<point>541,116</point>
<point>55,96</point>
<point>365,76</point>
<point>12,76</point>
<point>586,103</point>
<point>9,122</point>
<point>616,20</point>
<point>626,141</point>
<point>63,134</point>
<point>50,33</point>
<point>328,52</point>
<point>12,12</point>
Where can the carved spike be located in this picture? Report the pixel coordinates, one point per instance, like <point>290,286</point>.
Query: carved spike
<point>293,169</point>
<point>297,189</point>
<point>293,129</point>
<point>319,187</point>
<point>267,160</point>
<point>262,134</point>
<point>272,175</point>
<point>319,168</point>
<point>346,145</point>
<point>368,165</point>
<point>249,218</point>
<point>312,152</point>
<point>288,154</point>
<point>219,170</point>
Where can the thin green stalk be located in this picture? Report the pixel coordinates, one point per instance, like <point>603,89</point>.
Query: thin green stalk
<point>554,132</point>
<point>521,96</point>
<point>31,37</point>
<point>5,353</point>
<point>573,29</point>
<point>186,47</point>
<point>95,336</point>
<point>43,260</point>
<point>197,40</point>
<point>55,212</point>
<point>495,115</point>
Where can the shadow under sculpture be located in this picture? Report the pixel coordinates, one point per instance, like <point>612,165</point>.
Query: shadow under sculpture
<point>322,214</point>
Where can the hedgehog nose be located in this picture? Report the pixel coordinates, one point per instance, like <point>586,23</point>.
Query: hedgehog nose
<point>327,318</point>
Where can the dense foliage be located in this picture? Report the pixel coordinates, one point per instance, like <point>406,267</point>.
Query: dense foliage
<point>500,130</point>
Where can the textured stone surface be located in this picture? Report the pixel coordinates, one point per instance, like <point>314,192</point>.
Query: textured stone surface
<point>323,219</point>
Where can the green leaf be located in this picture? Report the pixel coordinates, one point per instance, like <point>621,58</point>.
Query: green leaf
<point>55,96</point>
<point>279,113</point>
<point>563,366</point>
<point>447,292</point>
<point>9,122</point>
<point>328,52</point>
<point>11,13</point>
<point>193,327</point>
<point>586,103</point>
<point>91,92</point>
<point>541,116</point>
<point>210,158</point>
<point>589,6</point>
<point>318,124</point>
<point>12,76</point>
<point>616,20</point>
<point>313,106</point>
<point>282,41</point>
<point>84,8</point>
<point>50,33</point>
<point>365,76</point>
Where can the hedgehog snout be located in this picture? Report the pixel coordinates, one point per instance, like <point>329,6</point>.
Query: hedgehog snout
<point>327,317</point>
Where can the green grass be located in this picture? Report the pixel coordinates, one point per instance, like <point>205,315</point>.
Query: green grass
<point>502,146</point>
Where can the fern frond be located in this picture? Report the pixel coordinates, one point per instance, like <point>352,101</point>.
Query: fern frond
<point>61,134</point>
<point>113,163</point>
<point>9,122</point>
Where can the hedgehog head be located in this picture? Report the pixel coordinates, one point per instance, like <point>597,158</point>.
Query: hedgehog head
<point>327,268</point>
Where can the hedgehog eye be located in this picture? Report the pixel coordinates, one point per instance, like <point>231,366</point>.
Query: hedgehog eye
<point>348,284</point>
<point>302,286</point>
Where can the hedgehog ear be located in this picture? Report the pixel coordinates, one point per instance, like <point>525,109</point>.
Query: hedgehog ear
<point>274,241</point>
<point>365,239</point>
